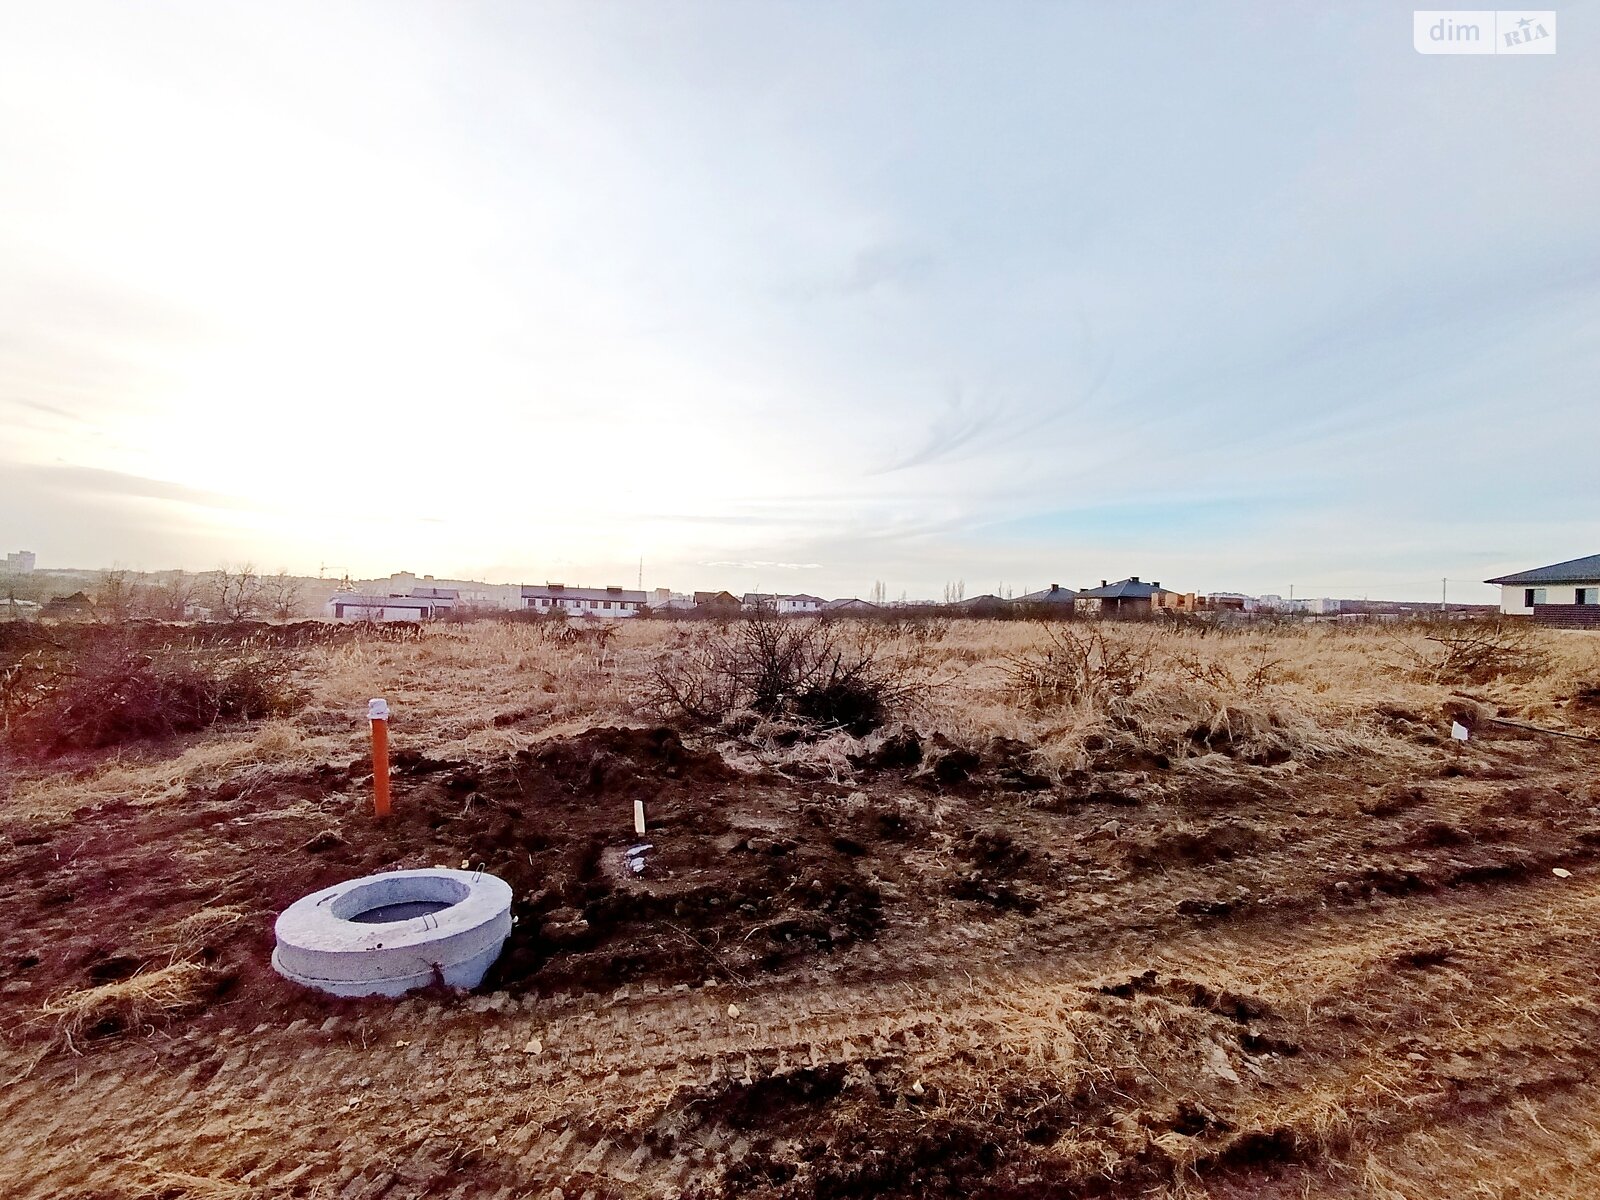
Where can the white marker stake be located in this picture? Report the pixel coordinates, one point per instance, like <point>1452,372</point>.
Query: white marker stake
<point>638,817</point>
<point>1458,731</point>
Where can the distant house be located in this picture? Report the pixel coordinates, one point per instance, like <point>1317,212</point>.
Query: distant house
<point>1566,585</point>
<point>444,599</point>
<point>850,605</point>
<point>613,602</point>
<point>76,607</point>
<point>717,604</point>
<point>12,609</point>
<point>1054,594</point>
<point>1126,597</point>
<point>783,605</point>
<point>1175,601</point>
<point>986,605</point>
<point>355,606</point>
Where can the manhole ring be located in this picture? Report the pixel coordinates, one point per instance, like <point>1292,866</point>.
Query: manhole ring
<point>382,935</point>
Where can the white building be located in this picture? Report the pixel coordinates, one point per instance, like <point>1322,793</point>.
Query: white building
<point>589,602</point>
<point>1575,582</point>
<point>354,606</point>
<point>470,593</point>
<point>782,605</point>
<point>18,610</point>
<point>20,562</point>
<point>444,599</point>
<point>1272,602</point>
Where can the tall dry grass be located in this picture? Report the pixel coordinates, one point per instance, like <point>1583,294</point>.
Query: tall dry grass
<point>474,690</point>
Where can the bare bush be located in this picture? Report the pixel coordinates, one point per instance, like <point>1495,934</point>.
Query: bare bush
<point>1477,652</point>
<point>1077,668</point>
<point>111,692</point>
<point>280,595</point>
<point>597,636</point>
<point>236,595</point>
<point>804,669</point>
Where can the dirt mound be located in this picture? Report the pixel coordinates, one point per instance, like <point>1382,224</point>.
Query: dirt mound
<point>734,877</point>
<point>1222,842</point>
<point>597,905</point>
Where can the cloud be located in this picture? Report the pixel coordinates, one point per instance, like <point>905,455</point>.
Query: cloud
<point>761,290</point>
<point>96,483</point>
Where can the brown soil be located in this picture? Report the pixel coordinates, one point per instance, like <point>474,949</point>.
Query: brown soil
<point>955,977</point>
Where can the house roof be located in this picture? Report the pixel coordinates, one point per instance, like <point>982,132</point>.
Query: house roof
<point>849,602</point>
<point>76,602</point>
<point>1574,570</point>
<point>1124,589</point>
<point>1054,594</point>
<point>551,591</point>
<point>436,593</point>
<point>357,600</point>
<point>773,598</point>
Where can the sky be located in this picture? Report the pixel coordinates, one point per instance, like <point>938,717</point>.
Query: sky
<point>799,295</point>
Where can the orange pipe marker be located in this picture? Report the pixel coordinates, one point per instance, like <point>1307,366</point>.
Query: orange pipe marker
<point>378,714</point>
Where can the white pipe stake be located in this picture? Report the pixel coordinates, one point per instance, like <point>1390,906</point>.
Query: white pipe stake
<point>638,817</point>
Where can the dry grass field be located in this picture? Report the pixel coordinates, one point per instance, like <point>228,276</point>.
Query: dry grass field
<point>963,908</point>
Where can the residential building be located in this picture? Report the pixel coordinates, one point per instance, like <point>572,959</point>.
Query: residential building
<point>12,609</point>
<point>76,607</point>
<point>986,605</point>
<point>1054,594</point>
<point>850,605</point>
<point>355,606</point>
<point>797,605</point>
<point>1571,584</point>
<point>1126,597</point>
<point>444,599</point>
<point>611,602</point>
<point>718,604</point>
<point>470,593</point>
<point>20,562</point>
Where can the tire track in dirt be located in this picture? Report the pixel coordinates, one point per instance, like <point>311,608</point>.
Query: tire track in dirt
<point>398,1102</point>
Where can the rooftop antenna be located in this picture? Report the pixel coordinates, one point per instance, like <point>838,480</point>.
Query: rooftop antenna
<point>641,572</point>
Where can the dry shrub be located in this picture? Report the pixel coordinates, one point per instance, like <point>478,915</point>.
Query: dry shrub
<point>1478,653</point>
<point>132,1004</point>
<point>804,669</point>
<point>115,692</point>
<point>1475,652</point>
<point>1075,668</point>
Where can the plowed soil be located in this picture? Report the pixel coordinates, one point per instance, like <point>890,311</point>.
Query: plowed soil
<point>953,977</point>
